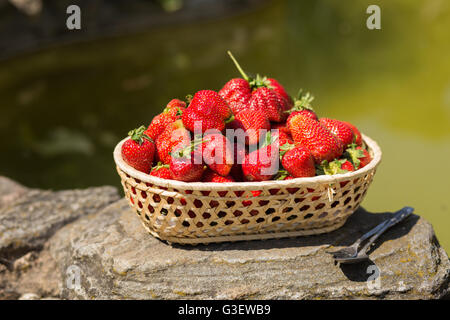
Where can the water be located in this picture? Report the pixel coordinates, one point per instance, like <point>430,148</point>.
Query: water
<point>63,109</point>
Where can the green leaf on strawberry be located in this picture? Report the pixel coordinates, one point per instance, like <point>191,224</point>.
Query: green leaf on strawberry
<point>353,154</point>
<point>138,135</point>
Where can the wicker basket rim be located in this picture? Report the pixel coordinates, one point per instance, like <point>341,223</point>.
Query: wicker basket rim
<point>238,186</point>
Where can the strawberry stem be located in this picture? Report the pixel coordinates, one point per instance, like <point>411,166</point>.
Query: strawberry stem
<point>241,71</point>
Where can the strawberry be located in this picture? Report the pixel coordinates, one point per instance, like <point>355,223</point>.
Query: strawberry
<point>302,105</point>
<point>262,94</point>
<point>254,124</point>
<point>271,103</point>
<point>174,135</point>
<point>283,138</point>
<point>238,159</point>
<point>281,127</point>
<point>339,129</point>
<point>261,164</point>
<point>161,170</point>
<point>358,137</point>
<point>184,166</point>
<point>237,93</point>
<point>139,150</point>
<point>207,109</point>
<point>311,134</point>
<point>171,113</point>
<point>359,156</point>
<point>297,160</point>
<point>176,103</point>
<point>277,87</point>
<point>217,153</point>
<point>211,176</point>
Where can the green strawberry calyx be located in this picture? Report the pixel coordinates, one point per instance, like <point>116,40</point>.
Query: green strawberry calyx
<point>268,139</point>
<point>186,151</point>
<point>281,174</point>
<point>285,148</point>
<point>159,165</point>
<point>179,112</point>
<point>302,102</point>
<point>331,168</point>
<point>138,135</point>
<point>353,154</point>
<point>255,82</point>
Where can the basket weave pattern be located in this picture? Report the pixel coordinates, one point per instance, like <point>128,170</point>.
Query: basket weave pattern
<point>191,213</point>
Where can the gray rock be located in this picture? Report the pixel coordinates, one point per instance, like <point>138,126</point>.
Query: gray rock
<point>116,258</point>
<point>29,217</point>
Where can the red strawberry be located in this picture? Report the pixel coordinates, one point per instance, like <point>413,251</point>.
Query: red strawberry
<point>139,150</point>
<point>217,153</point>
<point>211,176</point>
<point>341,131</point>
<point>359,156</point>
<point>271,103</point>
<point>161,171</point>
<point>170,114</point>
<point>254,124</point>
<point>297,160</point>
<point>176,103</point>
<point>283,138</point>
<point>348,166</point>
<point>261,164</point>
<point>209,110</point>
<point>311,134</point>
<point>184,167</point>
<point>302,105</point>
<point>237,93</point>
<point>277,87</point>
<point>281,127</point>
<point>174,135</point>
<point>238,159</point>
<point>358,137</point>
<point>259,93</point>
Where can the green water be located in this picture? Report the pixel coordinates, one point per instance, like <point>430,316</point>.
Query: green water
<point>63,109</point>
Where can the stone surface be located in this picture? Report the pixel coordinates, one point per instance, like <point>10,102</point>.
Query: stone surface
<point>29,217</point>
<point>9,191</point>
<point>116,258</point>
<point>47,238</point>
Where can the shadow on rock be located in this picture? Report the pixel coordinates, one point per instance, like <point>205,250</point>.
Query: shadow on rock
<point>358,224</point>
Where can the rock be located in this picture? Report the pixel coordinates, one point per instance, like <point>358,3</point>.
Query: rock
<point>28,218</point>
<point>34,215</point>
<point>39,276</point>
<point>29,296</point>
<point>109,255</point>
<point>9,191</point>
<point>24,262</point>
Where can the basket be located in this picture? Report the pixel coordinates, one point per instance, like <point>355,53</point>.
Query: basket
<point>199,212</point>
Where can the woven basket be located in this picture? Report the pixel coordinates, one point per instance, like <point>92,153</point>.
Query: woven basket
<point>198,212</point>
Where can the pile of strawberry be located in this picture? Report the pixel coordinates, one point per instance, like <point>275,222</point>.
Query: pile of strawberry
<point>302,146</point>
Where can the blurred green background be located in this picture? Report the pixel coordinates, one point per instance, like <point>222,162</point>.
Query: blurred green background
<point>63,108</point>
